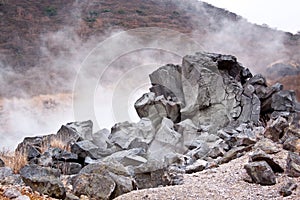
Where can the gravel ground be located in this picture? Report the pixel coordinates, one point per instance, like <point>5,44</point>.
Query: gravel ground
<point>225,182</point>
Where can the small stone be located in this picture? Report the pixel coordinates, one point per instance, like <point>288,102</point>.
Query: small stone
<point>11,193</point>
<point>287,189</point>
<point>276,130</point>
<point>267,145</point>
<point>22,197</point>
<point>2,164</point>
<point>198,166</point>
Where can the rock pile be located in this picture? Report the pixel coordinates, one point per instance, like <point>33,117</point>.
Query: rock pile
<point>199,115</point>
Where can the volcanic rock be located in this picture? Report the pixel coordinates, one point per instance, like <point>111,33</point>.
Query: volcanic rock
<point>261,173</point>
<point>260,155</point>
<point>293,165</point>
<point>287,189</point>
<point>44,180</point>
<point>95,186</point>
<point>157,107</point>
<point>123,134</point>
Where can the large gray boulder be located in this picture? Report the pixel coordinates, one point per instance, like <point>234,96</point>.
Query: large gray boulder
<point>75,131</point>
<point>166,142</point>
<point>213,92</point>
<point>100,138</point>
<point>44,180</point>
<point>123,134</point>
<point>94,186</point>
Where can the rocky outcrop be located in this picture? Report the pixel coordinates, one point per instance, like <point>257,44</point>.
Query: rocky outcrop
<point>196,116</point>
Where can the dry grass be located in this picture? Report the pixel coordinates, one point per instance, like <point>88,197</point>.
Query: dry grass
<point>14,160</point>
<point>55,143</point>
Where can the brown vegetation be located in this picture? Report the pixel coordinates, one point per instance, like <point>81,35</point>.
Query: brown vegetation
<point>14,160</point>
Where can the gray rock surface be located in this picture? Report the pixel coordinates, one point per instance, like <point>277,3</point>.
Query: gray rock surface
<point>95,186</point>
<point>260,155</point>
<point>157,107</point>
<point>293,165</point>
<point>123,134</point>
<point>166,81</point>
<point>44,180</point>
<point>199,165</point>
<point>11,193</point>
<point>261,173</point>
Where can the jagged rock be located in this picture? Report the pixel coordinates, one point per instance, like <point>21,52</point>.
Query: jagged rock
<point>175,175</point>
<point>68,168</point>
<point>11,193</point>
<point>292,144</point>
<point>44,180</point>
<point>7,177</point>
<point>234,153</point>
<point>65,156</point>
<point>85,148</point>
<point>152,179</point>
<point>84,128</point>
<point>166,81</point>
<point>2,164</point>
<point>287,189</point>
<point>95,186</point>
<point>105,168</point>
<point>200,152</point>
<point>216,152</point>
<point>124,184</point>
<point>157,107</point>
<point>251,108</point>
<point>293,165</point>
<point>189,131</point>
<point>32,153</point>
<point>212,90</point>
<point>100,138</point>
<point>166,142</point>
<point>68,135</point>
<point>123,134</point>
<point>267,145</point>
<point>257,79</point>
<point>75,131</point>
<point>284,101</point>
<point>260,155</point>
<point>276,130</point>
<point>198,166</point>
<point>5,172</point>
<point>31,146</point>
<point>132,157</point>
<point>261,173</point>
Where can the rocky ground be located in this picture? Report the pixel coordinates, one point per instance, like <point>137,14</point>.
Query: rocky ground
<point>224,182</point>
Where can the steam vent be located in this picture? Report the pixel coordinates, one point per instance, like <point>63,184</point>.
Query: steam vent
<point>200,116</point>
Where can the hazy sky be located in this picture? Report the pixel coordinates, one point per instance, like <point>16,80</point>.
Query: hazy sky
<point>280,14</point>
